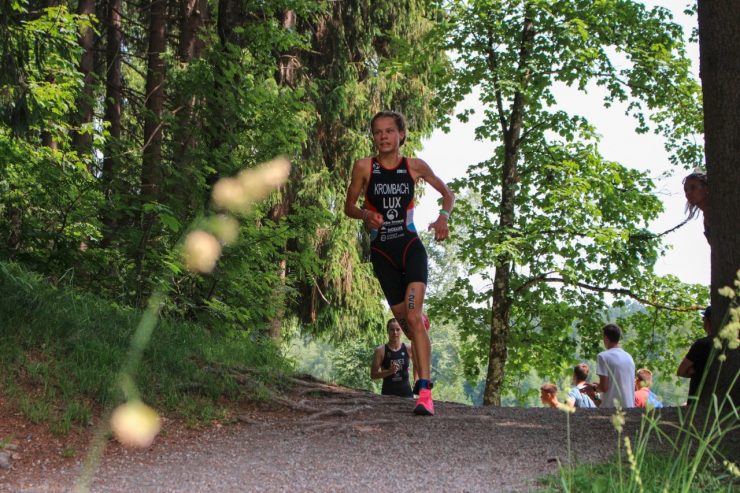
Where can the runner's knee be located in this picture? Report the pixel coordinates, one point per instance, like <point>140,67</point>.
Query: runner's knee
<point>415,321</point>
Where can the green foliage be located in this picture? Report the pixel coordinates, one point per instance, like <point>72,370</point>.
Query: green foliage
<point>567,226</point>
<point>39,77</point>
<point>351,362</point>
<point>253,89</point>
<point>61,352</point>
<point>49,199</point>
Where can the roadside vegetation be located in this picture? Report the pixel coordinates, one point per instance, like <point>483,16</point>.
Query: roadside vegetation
<point>61,351</point>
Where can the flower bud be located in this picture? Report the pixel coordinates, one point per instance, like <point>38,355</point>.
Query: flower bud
<point>201,251</point>
<point>135,424</point>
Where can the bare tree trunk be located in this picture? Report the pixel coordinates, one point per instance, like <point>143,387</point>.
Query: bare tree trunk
<point>151,169</point>
<point>279,211</point>
<point>82,142</point>
<point>111,163</point>
<point>151,165</point>
<point>501,305</point>
<point>193,16</point>
<point>719,44</point>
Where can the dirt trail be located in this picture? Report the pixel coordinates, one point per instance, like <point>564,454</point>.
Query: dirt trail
<point>338,439</point>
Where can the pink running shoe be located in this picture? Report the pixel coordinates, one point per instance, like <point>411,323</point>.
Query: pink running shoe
<point>425,319</point>
<point>424,404</point>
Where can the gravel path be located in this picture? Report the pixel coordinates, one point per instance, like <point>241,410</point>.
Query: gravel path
<point>346,440</point>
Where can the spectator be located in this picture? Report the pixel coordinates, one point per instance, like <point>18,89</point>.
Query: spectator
<point>578,395</point>
<point>549,395</point>
<point>616,371</point>
<point>693,365</point>
<point>644,397</point>
<point>696,189</point>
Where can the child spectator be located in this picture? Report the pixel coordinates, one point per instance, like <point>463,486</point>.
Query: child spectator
<point>549,395</point>
<point>644,397</point>
<point>578,397</point>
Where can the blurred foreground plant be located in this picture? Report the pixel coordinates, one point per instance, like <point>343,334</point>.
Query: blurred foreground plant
<point>134,423</point>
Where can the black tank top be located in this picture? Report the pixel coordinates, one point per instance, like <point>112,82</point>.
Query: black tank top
<point>390,192</point>
<point>398,383</point>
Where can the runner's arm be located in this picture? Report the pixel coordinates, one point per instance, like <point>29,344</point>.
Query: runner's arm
<point>376,370</point>
<point>422,170</point>
<point>360,171</point>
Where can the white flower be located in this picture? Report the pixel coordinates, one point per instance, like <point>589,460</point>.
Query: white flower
<point>229,194</point>
<point>135,424</point>
<point>201,251</point>
<point>618,421</point>
<point>250,186</point>
<point>732,467</point>
<point>259,182</point>
<point>727,292</point>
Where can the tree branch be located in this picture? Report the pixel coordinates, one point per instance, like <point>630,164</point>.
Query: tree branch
<point>493,67</point>
<point>618,291</point>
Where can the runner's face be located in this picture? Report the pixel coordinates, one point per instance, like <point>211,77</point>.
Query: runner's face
<point>386,136</point>
<point>696,191</point>
<point>394,331</point>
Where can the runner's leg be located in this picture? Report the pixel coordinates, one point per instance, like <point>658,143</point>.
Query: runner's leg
<point>422,345</point>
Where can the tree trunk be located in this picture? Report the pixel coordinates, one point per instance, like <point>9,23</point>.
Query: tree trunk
<point>501,305</point>
<point>193,16</point>
<point>151,165</point>
<point>719,43</point>
<point>111,163</point>
<point>276,324</point>
<point>288,61</point>
<point>151,169</point>
<point>231,14</point>
<point>82,142</point>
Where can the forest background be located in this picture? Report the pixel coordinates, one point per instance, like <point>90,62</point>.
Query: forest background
<point>119,117</point>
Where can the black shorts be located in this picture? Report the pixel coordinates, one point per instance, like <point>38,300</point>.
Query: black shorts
<point>399,266</point>
<point>400,389</point>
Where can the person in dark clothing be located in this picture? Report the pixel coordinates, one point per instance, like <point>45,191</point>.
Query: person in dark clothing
<point>695,362</point>
<point>391,363</point>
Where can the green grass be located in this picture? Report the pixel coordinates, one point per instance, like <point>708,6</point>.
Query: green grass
<point>655,471</point>
<point>61,352</point>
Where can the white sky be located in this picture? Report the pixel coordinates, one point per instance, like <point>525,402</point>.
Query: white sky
<point>450,154</point>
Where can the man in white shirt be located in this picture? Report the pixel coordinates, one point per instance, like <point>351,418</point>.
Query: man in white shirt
<point>616,371</point>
